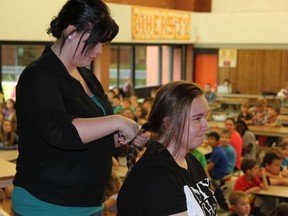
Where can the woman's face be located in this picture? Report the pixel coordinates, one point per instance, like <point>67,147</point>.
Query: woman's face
<point>82,59</point>
<point>196,125</point>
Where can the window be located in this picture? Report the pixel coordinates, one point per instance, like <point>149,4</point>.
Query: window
<point>14,59</point>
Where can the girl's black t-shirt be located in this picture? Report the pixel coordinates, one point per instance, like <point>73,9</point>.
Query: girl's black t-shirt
<point>158,186</point>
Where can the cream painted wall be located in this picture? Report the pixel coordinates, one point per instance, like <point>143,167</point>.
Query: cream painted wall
<point>249,5</point>
<point>28,20</point>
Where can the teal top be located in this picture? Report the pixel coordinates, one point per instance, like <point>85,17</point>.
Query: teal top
<point>35,207</point>
<point>98,103</point>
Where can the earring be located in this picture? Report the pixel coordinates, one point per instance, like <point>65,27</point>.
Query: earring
<point>69,37</point>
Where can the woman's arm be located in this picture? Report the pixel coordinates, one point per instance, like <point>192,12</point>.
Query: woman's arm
<point>90,129</point>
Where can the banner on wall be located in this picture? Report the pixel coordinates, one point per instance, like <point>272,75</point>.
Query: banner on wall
<point>160,24</point>
<point>227,58</point>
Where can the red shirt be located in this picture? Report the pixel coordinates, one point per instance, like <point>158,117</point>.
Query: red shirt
<point>236,142</point>
<point>243,185</point>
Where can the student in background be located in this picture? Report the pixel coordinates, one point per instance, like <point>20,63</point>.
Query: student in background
<point>228,150</point>
<point>7,135</point>
<point>227,82</point>
<point>209,94</point>
<point>273,114</point>
<point>283,145</point>
<point>200,157</point>
<point>250,182</point>
<point>217,167</point>
<point>111,193</point>
<point>259,112</point>
<point>248,138</point>
<point>281,210</point>
<point>239,202</point>
<point>218,164</point>
<point>245,115</point>
<point>272,163</point>
<point>2,198</point>
<point>235,140</point>
<point>272,121</point>
<point>140,115</point>
<point>166,180</point>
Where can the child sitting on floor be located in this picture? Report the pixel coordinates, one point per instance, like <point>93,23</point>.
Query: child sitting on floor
<point>239,203</point>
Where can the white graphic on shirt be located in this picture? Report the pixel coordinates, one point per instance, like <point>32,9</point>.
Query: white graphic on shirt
<point>198,199</point>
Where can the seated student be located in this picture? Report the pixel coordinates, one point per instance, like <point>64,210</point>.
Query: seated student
<point>245,115</point>
<point>283,145</point>
<point>2,198</point>
<point>259,112</point>
<point>281,210</point>
<point>7,135</point>
<point>248,138</point>
<point>117,105</point>
<point>272,121</point>
<point>235,140</point>
<point>239,202</point>
<point>228,150</point>
<point>273,116</point>
<point>250,182</point>
<point>111,193</point>
<point>200,157</point>
<point>217,164</point>
<point>217,167</point>
<point>272,163</point>
<point>260,116</point>
<point>209,94</point>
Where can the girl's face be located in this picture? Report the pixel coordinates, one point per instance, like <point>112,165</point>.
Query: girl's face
<point>196,125</point>
<point>274,167</point>
<point>7,126</point>
<point>82,59</point>
<point>138,112</point>
<point>242,207</point>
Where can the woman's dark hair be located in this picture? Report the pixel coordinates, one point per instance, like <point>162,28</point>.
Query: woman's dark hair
<point>171,109</point>
<point>88,16</point>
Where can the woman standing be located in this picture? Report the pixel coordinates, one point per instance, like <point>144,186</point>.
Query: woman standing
<point>166,180</point>
<point>67,132</point>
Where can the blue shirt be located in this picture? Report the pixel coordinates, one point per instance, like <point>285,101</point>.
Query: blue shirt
<point>231,157</point>
<point>219,159</point>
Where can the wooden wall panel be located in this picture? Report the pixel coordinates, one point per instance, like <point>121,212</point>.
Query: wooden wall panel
<point>257,71</point>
